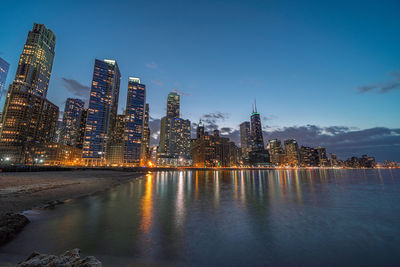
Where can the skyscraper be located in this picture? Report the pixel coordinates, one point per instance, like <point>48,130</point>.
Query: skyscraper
<point>36,62</point>
<point>145,153</point>
<point>256,131</point>
<point>135,110</point>
<point>115,145</point>
<point>102,111</point>
<point>276,151</point>
<point>291,152</point>
<point>71,121</point>
<point>28,117</point>
<point>174,133</point>
<point>3,75</point>
<point>173,105</point>
<point>245,138</point>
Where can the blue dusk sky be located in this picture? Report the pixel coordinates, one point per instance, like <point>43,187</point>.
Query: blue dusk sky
<point>323,72</point>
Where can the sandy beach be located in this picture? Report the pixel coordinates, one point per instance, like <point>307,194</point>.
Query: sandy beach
<point>21,191</point>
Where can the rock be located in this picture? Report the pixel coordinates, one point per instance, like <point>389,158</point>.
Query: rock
<point>71,258</point>
<point>52,204</point>
<point>10,225</point>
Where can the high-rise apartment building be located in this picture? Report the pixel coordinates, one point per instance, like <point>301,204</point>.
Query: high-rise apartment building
<point>291,152</point>
<point>276,151</point>
<point>146,153</point>
<point>135,112</point>
<point>82,127</point>
<point>174,133</point>
<point>245,138</point>
<point>322,158</point>
<point>3,75</point>
<point>102,111</point>
<point>36,62</point>
<point>308,156</point>
<point>69,133</point>
<point>173,105</point>
<point>28,117</point>
<point>115,145</point>
<point>213,151</point>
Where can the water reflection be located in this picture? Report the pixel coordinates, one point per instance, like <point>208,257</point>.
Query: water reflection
<point>229,217</point>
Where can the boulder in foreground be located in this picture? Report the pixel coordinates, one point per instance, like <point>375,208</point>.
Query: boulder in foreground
<point>10,225</point>
<point>71,258</point>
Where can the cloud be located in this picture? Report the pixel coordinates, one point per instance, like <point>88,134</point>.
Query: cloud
<point>210,120</point>
<point>382,87</point>
<point>76,88</point>
<point>152,65</point>
<point>345,141</point>
<point>157,82</point>
<point>154,125</point>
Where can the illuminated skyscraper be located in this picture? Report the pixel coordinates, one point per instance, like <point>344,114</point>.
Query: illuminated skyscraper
<point>28,117</point>
<point>71,121</point>
<point>245,138</point>
<point>115,145</point>
<point>291,152</point>
<point>135,110</point>
<point>173,105</point>
<point>200,130</point>
<point>256,131</point>
<point>145,153</point>
<point>276,151</point>
<point>36,62</point>
<point>102,111</point>
<point>174,133</point>
<point>3,75</point>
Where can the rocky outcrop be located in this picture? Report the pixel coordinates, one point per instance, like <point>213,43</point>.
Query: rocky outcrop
<point>71,258</point>
<point>10,225</point>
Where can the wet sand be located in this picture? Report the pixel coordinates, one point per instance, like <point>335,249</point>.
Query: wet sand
<point>21,191</point>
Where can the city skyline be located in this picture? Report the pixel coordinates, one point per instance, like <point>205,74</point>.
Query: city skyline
<point>374,130</point>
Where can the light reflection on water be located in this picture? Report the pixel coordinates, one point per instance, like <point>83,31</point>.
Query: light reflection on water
<point>276,217</point>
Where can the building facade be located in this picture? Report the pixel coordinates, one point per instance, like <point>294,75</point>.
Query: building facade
<point>276,151</point>
<point>135,112</point>
<point>4,66</point>
<point>102,111</point>
<point>36,62</point>
<point>145,149</point>
<point>291,152</point>
<point>71,122</point>
<point>115,146</point>
<point>256,132</point>
<point>28,117</point>
<point>245,138</point>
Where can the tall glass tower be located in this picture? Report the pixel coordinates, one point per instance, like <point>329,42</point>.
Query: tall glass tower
<point>173,104</point>
<point>71,121</point>
<point>102,111</point>
<point>256,131</point>
<point>135,110</point>
<point>28,117</point>
<point>245,138</point>
<point>3,75</point>
<point>36,62</point>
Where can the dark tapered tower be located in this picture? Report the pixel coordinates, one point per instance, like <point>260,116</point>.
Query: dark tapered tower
<point>256,131</point>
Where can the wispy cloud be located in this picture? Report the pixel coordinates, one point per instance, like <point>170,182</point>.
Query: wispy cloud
<point>157,82</point>
<point>151,65</point>
<point>382,87</point>
<point>75,87</point>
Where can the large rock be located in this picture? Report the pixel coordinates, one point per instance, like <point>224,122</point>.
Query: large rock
<point>10,225</point>
<point>71,258</point>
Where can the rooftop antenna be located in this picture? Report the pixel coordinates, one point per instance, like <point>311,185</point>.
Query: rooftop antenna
<point>255,104</point>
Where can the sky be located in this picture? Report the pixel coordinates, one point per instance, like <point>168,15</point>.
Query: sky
<point>323,72</point>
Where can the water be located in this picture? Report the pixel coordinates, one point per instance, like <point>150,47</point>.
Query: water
<point>229,218</point>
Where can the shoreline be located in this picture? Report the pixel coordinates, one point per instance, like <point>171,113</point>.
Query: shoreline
<point>21,192</point>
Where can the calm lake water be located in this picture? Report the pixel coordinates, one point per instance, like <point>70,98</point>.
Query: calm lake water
<point>228,218</point>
